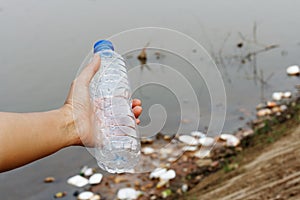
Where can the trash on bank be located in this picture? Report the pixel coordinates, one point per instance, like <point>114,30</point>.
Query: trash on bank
<point>60,195</point>
<point>95,179</point>
<point>128,194</point>
<point>187,139</point>
<point>86,195</point>
<point>293,70</point>
<point>78,181</point>
<point>231,140</point>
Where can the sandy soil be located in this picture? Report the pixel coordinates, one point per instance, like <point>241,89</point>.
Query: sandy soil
<point>273,173</point>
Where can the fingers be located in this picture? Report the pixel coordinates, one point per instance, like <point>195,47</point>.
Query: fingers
<point>137,110</point>
<point>136,102</point>
<point>90,70</point>
<point>138,121</point>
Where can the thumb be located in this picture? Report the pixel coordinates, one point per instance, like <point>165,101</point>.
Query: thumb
<point>89,71</point>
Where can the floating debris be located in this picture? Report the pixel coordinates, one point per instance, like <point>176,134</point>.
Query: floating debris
<point>95,179</point>
<point>157,172</point>
<point>147,150</point>
<point>231,140</point>
<point>49,179</point>
<point>287,94</point>
<point>293,70</point>
<point>207,141</point>
<point>198,134</point>
<point>187,139</point>
<point>60,195</point>
<point>86,195</point>
<point>78,181</point>
<point>277,96</point>
<point>128,194</point>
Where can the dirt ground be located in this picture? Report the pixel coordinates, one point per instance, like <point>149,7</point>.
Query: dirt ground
<point>269,173</point>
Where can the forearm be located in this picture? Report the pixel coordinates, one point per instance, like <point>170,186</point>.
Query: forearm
<point>25,137</point>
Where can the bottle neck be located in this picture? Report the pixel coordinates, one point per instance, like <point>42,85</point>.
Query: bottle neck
<point>105,53</point>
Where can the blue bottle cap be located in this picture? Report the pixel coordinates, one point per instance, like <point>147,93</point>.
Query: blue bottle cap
<point>103,44</point>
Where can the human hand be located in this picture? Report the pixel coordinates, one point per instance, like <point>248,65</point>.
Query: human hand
<point>78,109</point>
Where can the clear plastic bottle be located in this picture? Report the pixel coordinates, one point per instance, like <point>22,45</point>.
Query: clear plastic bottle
<point>118,145</point>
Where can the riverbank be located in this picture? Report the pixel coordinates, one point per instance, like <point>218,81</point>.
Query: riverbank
<point>267,168</point>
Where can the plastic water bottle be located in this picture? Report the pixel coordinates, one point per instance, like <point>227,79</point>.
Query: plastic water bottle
<point>118,145</point>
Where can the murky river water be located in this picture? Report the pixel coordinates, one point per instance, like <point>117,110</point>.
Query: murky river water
<point>44,42</point>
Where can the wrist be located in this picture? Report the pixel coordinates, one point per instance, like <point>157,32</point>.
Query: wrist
<point>68,126</point>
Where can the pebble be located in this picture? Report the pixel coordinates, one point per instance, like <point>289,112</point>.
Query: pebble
<point>293,70</point>
<point>127,194</point>
<point>207,141</point>
<point>187,139</point>
<point>86,195</point>
<point>60,194</point>
<point>197,134</point>
<point>49,179</point>
<point>95,179</point>
<point>147,150</point>
<point>78,181</point>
